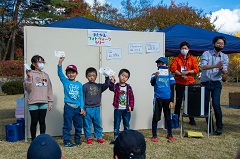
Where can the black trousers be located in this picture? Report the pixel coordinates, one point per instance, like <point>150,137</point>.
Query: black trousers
<point>180,89</point>
<point>159,105</point>
<point>37,116</point>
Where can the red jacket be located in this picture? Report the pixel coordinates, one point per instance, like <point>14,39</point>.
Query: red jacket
<point>190,63</point>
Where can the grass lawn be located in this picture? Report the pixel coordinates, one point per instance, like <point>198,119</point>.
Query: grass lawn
<point>217,147</point>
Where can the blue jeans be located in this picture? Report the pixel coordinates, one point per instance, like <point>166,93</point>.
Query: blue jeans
<point>71,115</point>
<point>92,117</point>
<point>121,114</point>
<point>215,89</point>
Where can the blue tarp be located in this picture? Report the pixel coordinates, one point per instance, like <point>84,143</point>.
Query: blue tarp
<point>83,23</point>
<point>199,39</point>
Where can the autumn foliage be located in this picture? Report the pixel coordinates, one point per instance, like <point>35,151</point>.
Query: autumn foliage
<point>11,68</point>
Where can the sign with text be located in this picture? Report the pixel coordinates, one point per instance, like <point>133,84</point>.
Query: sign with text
<point>99,37</point>
<point>135,48</point>
<point>152,47</point>
<point>114,53</point>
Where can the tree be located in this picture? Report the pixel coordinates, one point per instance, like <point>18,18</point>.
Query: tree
<point>161,16</point>
<point>14,16</point>
<point>234,66</point>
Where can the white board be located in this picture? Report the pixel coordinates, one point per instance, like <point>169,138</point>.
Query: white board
<point>44,41</point>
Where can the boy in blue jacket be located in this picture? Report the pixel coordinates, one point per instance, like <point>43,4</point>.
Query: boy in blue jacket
<point>74,103</point>
<point>163,83</point>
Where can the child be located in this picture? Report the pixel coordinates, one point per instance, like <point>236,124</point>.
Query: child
<point>74,103</point>
<point>123,101</point>
<point>40,94</point>
<point>92,97</point>
<point>163,83</point>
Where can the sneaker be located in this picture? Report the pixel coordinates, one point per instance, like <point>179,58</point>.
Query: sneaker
<point>192,122</point>
<point>171,138</point>
<point>100,140</point>
<point>78,143</point>
<point>154,139</point>
<point>218,131</point>
<point>89,141</point>
<point>69,144</point>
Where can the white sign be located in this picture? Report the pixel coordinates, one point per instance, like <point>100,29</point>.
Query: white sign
<point>163,72</point>
<point>135,48</point>
<point>152,47</point>
<point>99,37</point>
<point>106,72</point>
<point>114,53</point>
<point>59,53</point>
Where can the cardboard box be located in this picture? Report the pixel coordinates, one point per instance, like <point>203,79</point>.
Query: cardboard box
<point>234,98</point>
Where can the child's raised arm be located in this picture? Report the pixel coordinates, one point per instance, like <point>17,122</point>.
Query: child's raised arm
<point>61,59</point>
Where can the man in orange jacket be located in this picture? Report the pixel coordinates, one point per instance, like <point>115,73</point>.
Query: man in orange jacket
<point>184,66</point>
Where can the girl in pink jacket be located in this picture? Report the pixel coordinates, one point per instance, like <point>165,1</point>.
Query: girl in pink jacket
<point>40,94</point>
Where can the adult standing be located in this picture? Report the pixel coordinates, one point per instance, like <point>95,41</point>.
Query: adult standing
<point>40,94</point>
<point>184,66</point>
<point>214,63</point>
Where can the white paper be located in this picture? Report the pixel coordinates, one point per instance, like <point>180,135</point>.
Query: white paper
<point>59,53</point>
<point>135,48</point>
<point>163,72</point>
<point>27,66</point>
<point>106,72</point>
<point>114,53</point>
<point>152,47</point>
<point>98,37</point>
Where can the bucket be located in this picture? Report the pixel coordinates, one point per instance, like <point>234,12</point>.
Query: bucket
<point>175,122</point>
<point>21,128</point>
<point>12,132</point>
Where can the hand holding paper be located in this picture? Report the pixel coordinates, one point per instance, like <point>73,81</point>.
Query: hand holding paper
<point>27,66</point>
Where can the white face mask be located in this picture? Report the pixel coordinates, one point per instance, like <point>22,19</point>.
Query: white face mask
<point>41,66</point>
<point>184,52</point>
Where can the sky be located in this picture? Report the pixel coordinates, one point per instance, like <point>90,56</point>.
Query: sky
<point>226,11</point>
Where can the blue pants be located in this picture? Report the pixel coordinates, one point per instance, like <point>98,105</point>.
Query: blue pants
<point>119,115</point>
<point>92,117</point>
<point>71,115</point>
<point>215,89</point>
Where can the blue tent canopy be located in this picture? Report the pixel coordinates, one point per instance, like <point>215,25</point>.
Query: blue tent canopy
<point>83,23</point>
<point>199,39</point>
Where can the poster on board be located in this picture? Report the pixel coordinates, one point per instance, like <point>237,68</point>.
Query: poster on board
<point>114,53</point>
<point>135,48</point>
<point>99,37</point>
<point>152,47</point>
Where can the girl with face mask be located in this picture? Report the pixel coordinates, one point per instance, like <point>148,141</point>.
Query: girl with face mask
<point>184,66</point>
<point>38,86</point>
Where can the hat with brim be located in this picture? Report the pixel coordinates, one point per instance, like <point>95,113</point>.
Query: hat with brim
<point>72,67</point>
<point>162,59</point>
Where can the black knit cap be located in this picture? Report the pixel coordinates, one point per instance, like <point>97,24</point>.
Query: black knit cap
<point>130,144</point>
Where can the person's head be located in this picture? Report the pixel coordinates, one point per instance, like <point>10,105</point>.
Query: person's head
<point>184,48</point>
<point>162,61</point>
<point>129,144</point>
<point>44,147</point>
<point>218,43</point>
<point>91,74</point>
<point>71,72</point>
<point>38,63</point>
<point>123,75</point>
